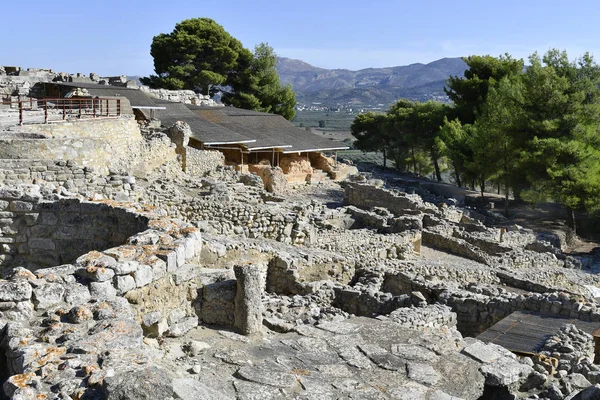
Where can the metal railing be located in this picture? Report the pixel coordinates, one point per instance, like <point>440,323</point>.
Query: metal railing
<point>56,109</point>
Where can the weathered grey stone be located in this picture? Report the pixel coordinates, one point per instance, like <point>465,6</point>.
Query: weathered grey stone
<point>76,293</point>
<point>102,290</point>
<point>48,295</point>
<point>19,290</point>
<point>124,283</point>
<point>79,314</point>
<point>248,303</point>
<point>413,352</point>
<point>183,326</point>
<point>185,273</point>
<point>482,352</point>
<point>196,347</point>
<point>95,273</point>
<point>151,318</point>
<point>143,275</point>
<point>191,389</point>
<point>505,371</point>
<point>148,383</point>
<point>267,376</point>
<point>126,267</point>
<point>20,206</point>
<point>41,244</point>
<point>422,373</point>
<point>382,358</point>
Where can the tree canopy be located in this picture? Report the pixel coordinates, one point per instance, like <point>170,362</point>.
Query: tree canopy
<point>200,55</point>
<point>534,132</point>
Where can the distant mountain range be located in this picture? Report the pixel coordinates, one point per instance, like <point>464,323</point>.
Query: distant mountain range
<point>369,86</point>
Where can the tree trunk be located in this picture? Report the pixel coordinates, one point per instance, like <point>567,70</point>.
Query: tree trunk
<point>499,185</point>
<point>482,187</point>
<point>414,160</point>
<point>473,184</point>
<point>458,183</point>
<point>436,166</point>
<point>384,159</point>
<point>571,221</point>
<point>506,199</point>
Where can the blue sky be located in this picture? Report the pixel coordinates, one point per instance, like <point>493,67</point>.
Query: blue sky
<point>113,37</point>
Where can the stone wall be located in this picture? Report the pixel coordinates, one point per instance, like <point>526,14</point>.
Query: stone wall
<point>181,96</point>
<point>199,162</point>
<point>456,246</point>
<point>369,196</point>
<point>36,234</point>
<point>50,174</point>
<point>102,143</point>
<point>247,220</point>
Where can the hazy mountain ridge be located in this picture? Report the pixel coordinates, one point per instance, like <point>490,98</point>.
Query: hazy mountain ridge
<point>380,85</point>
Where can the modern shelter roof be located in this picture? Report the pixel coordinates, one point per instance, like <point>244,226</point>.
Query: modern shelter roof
<point>270,130</point>
<point>202,130</point>
<point>525,332</point>
<point>136,97</point>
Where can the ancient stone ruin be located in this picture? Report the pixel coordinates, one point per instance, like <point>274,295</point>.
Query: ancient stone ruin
<point>125,276</point>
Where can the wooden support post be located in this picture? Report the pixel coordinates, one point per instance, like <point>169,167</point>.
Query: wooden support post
<point>45,112</point>
<point>20,113</point>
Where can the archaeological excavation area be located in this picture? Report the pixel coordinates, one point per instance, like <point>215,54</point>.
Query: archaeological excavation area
<point>137,265</point>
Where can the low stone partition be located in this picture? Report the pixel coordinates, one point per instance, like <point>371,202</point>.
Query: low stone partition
<point>37,233</point>
<point>434,316</point>
<point>199,162</point>
<point>287,275</point>
<point>368,196</point>
<point>248,220</point>
<point>87,181</point>
<point>456,246</point>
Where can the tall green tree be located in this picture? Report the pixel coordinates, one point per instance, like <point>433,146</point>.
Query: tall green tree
<point>562,136</point>
<point>454,143</point>
<point>429,118</point>
<point>470,92</point>
<point>257,86</point>
<point>372,132</point>
<point>497,132</point>
<point>200,55</point>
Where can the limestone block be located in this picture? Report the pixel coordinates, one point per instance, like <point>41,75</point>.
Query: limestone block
<point>248,303</point>
<point>159,267</point>
<point>143,275</point>
<point>183,326</point>
<point>185,273</point>
<point>15,291</point>
<point>20,206</point>
<point>31,218</point>
<point>124,283</point>
<point>126,267</point>
<point>175,316</point>
<point>41,244</point>
<point>191,389</point>
<point>102,290</point>
<point>48,295</point>
<point>170,258</point>
<point>77,293</point>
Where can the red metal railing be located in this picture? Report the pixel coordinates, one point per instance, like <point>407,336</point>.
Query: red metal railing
<point>48,110</point>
